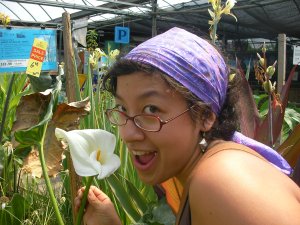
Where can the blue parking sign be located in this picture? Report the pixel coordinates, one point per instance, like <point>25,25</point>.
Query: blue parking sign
<point>122,35</point>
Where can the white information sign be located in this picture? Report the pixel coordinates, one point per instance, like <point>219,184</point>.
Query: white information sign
<point>296,55</point>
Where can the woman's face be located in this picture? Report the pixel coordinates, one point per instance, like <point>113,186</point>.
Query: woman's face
<point>170,152</point>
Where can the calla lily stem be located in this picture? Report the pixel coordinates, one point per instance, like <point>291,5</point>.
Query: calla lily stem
<point>47,180</point>
<point>84,199</point>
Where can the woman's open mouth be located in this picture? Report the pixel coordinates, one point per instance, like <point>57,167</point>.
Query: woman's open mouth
<point>143,160</point>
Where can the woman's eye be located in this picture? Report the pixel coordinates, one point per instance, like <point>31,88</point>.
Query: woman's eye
<point>151,109</point>
<point>120,108</point>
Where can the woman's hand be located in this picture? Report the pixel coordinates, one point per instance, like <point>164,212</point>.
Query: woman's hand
<point>99,209</point>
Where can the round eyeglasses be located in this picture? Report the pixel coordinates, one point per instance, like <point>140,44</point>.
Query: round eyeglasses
<point>145,122</point>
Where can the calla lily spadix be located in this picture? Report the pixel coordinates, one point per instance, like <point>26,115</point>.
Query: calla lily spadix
<point>92,151</point>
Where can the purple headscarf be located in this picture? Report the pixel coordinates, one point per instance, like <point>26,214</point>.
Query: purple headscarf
<point>198,66</point>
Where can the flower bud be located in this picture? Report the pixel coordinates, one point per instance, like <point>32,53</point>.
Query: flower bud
<point>267,86</point>
<point>274,86</point>
<point>6,20</point>
<point>62,200</point>
<point>231,77</point>
<point>270,71</point>
<point>262,61</point>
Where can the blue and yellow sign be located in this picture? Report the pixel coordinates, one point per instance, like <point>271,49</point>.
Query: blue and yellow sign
<point>16,49</point>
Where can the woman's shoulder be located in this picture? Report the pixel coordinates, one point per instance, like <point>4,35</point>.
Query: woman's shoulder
<point>238,167</point>
<point>233,183</point>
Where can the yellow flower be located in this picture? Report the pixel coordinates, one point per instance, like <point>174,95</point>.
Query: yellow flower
<point>228,6</point>
<point>99,53</point>
<point>114,53</point>
<point>5,20</point>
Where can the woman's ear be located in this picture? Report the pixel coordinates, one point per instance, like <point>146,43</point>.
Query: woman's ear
<point>208,121</point>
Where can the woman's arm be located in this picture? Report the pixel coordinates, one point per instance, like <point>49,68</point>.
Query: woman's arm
<point>234,187</point>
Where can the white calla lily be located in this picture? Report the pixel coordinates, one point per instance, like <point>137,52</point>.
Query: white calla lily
<point>92,151</point>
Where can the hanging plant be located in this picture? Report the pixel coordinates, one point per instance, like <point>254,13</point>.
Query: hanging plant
<point>91,40</point>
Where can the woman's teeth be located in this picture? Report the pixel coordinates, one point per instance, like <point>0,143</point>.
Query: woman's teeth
<point>139,153</point>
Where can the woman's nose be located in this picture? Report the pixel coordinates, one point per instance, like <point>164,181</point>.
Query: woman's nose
<point>131,133</point>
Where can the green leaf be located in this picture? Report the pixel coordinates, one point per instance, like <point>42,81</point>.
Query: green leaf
<point>158,213</point>
<point>137,197</point>
<point>163,213</point>
<point>89,121</point>
<point>41,83</point>
<point>211,13</point>
<point>19,207</point>
<point>123,197</point>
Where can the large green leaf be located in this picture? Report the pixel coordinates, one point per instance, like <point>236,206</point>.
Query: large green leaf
<point>137,197</point>
<point>19,207</point>
<point>89,120</point>
<point>123,197</point>
<point>41,83</point>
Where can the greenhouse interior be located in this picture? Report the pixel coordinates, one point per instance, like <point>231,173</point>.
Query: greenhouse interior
<point>65,124</point>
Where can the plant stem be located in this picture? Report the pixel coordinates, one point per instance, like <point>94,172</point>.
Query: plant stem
<point>214,32</point>
<point>84,199</point>
<point>270,121</point>
<point>5,109</point>
<point>46,177</point>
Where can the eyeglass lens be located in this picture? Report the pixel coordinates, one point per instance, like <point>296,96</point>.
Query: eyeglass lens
<point>146,122</point>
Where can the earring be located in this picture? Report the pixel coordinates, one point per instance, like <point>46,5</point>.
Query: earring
<point>203,144</point>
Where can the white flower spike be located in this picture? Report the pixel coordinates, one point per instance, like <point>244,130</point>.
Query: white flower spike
<point>92,151</point>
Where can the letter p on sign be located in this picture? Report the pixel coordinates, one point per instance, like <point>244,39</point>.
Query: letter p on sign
<point>122,35</point>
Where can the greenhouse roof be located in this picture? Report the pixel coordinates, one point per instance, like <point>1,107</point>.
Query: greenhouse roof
<point>255,18</point>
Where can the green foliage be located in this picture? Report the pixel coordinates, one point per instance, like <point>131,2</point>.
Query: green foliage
<point>135,202</point>
<point>41,83</point>
<point>91,40</point>
<point>131,197</point>
<point>291,115</point>
<point>12,97</point>
<point>158,214</point>
<point>14,211</point>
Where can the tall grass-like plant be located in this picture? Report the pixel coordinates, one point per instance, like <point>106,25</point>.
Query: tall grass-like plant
<point>130,196</point>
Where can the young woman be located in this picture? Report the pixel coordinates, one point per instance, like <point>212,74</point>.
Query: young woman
<point>175,111</point>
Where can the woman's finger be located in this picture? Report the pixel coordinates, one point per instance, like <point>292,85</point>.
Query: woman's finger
<point>97,194</point>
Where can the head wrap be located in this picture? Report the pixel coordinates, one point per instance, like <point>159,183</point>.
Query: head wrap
<point>198,66</point>
<point>188,59</point>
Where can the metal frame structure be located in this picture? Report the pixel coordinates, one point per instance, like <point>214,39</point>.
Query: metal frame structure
<point>256,18</point>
